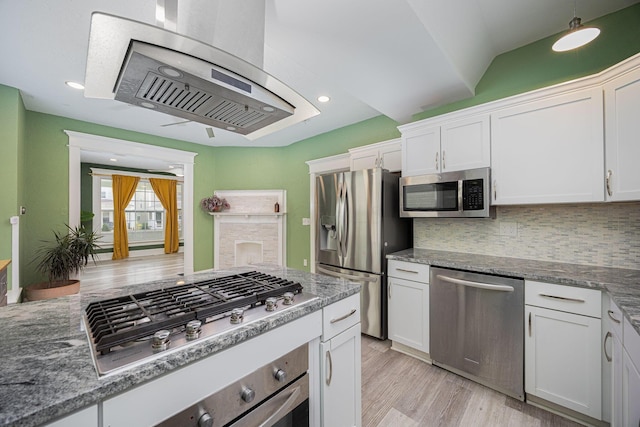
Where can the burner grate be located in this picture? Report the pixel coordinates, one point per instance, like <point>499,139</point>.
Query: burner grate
<point>121,320</point>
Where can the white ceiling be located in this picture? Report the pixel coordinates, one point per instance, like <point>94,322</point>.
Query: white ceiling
<point>390,57</point>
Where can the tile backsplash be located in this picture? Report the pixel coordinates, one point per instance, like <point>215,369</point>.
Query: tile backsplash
<point>602,234</point>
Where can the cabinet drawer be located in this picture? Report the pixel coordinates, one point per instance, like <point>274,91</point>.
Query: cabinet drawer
<point>587,302</point>
<point>614,318</point>
<point>631,343</point>
<point>408,271</point>
<point>340,316</point>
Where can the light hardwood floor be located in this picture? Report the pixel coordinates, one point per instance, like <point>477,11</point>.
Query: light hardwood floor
<point>400,391</point>
<point>397,390</point>
<point>124,272</point>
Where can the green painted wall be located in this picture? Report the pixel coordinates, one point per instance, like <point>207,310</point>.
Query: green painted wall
<point>45,192</point>
<point>12,121</point>
<point>46,182</point>
<point>535,65</point>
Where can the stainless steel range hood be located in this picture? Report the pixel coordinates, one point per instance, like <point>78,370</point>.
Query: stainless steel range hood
<point>153,68</point>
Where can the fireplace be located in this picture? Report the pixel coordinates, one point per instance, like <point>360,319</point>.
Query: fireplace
<point>251,231</point>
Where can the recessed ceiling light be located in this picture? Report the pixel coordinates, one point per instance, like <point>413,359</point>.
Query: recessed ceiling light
<point>75,85</point>
<point>113,160</point>
<point>323,98</point>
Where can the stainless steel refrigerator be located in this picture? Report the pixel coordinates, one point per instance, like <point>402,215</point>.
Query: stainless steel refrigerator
<point>358,224</point>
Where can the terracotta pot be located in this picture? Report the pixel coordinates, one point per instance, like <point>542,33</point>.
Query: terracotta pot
<point>42,291</point>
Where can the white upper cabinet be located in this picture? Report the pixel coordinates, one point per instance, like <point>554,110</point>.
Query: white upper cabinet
<point>622,137</point>
<point>386,155</point>
<point>448,146</point>
<point>549,151</point>
<point>465,144</point>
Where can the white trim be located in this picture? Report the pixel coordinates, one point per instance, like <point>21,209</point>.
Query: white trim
<point>97,172</point>
<point>340,162</point>
<point>14,294</point>
<point>82,141</point>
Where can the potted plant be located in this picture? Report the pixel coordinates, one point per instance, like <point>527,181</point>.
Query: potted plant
<point>67,255</point>
<point>214,204</point>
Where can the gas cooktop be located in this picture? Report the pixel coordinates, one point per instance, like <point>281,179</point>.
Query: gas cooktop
<point>133,328</point>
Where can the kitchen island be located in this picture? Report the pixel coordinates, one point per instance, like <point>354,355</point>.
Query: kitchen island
<point>48,370</point>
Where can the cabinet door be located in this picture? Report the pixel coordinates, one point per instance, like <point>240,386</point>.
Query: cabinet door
<point>341,379</point>
<point>617,355</point>
<point>562,359</point>
<point>391,157</point>
<point>466,144</point>
<point>622,127</point>
<point>421,152</point>
<point>87,417</point>
<point>409,313</point>
<point>549,151</point>
<point>366,159</point>
<point>630,393</point>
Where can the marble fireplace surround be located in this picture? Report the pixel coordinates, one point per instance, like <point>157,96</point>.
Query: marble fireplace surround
<point>250,231</point>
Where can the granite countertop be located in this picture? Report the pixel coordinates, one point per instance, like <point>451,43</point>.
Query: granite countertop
<point>47,369</point>
<point>622,285</point>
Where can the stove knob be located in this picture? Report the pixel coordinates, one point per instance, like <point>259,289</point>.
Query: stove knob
<point>271,304</point>
<point>280,375</point>
<point>160,341</point>
<point>205,420</point>
<point>247,394</point>
<point>193,329</point>
<point>236,316</point>
<point>288,298</point>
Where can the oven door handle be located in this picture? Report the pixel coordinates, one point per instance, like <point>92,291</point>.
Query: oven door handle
<point>480,285</point>
<point>283,409</point>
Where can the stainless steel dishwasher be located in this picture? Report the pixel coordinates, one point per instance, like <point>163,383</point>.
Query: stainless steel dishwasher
<point>476,327</point>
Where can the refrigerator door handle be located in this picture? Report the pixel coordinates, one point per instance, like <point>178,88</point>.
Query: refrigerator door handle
<point>345,222</point>
<point>338,221</point>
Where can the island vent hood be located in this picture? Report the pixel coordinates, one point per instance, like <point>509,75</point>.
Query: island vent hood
<point>161,70</point>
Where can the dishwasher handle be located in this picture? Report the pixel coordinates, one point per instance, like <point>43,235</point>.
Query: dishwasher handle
<point>480,285</point>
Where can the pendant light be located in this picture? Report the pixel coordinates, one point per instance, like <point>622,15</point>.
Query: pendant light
<point>577,36</point>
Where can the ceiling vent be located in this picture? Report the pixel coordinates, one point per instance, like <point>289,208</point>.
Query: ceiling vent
<point>161,70</point>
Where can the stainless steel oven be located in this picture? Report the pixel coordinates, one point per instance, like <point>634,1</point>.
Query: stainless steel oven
<point>464,194</point>
<point>277,394</point>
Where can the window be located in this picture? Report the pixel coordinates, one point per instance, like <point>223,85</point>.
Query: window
<point>144,214</point>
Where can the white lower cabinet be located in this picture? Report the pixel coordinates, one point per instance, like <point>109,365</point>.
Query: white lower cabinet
<point>87,417</point>
<point>409,313</point>
<point>562,349</point>
<point>630,376</point>
<point>340,364</point>
<point>341,379</point>
<point>408,307</point>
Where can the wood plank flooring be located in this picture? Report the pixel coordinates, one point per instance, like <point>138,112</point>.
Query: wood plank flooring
<point>397,390</point>
<point>112,274</point>
<point>400,391</point>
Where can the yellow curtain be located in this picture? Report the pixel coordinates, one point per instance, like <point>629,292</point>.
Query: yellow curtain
<point>124,187</point>
<point>166,191</point>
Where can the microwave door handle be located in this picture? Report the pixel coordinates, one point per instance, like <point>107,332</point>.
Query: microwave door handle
<point>460,197</point>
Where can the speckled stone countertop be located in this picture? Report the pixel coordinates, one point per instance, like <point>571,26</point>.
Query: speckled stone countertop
<point>47,370</point>
<point>622,285</point>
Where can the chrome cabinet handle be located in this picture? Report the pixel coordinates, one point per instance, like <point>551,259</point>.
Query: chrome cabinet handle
<point>606,337</point>
<point>341,318</point>
<point>437,160</point>
<point>610,313</point>
<point>330,371</point>
<point>495,190</point>
<point>529,323</point>
<point>389,290</point>
<point>561,298</point>
<point>480,285</point>
<point>407,271</point>
<point>381,162</point>
<point>608,181</point>
<point>443,166</point>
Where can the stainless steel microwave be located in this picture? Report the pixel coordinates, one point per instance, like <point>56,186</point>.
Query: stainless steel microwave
<point>462,194</point>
